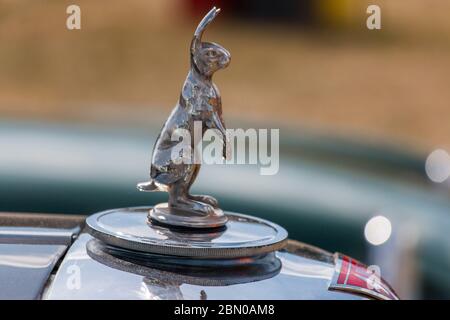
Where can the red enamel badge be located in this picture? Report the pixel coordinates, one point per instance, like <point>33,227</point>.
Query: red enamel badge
<point>353,276</point>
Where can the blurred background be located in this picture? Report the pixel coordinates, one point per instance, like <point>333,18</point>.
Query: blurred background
<point>363,117</point>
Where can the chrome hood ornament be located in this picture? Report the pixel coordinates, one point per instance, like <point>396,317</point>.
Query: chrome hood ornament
<point>199,102</point>
<point>188,225</point>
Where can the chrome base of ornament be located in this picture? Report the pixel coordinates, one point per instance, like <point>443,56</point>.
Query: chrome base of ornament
<point>169,216</point>
<point>242,236</point>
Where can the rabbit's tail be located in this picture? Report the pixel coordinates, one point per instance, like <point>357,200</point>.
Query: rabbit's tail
<point>148,186</point>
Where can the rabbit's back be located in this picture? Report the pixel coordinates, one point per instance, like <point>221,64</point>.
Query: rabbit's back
<point>162,160</point>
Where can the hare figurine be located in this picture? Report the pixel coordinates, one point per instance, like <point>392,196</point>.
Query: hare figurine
<point>199,101</point>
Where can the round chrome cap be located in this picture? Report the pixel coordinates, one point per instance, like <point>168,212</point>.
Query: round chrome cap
<point>130,228</point>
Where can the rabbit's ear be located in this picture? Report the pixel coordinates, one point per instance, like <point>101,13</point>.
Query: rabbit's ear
<point>208,18</point>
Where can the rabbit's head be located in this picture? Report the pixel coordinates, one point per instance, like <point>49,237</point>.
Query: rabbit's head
<point>208,57</point>
<point>211,57</point>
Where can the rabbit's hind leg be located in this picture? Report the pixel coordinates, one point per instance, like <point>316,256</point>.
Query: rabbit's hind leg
<point>179,199</point>
<point>200,198</point>
<point>205,199</point>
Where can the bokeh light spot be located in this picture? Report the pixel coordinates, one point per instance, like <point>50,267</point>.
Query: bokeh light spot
<point>378,230</point>
<point>437,166</point>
